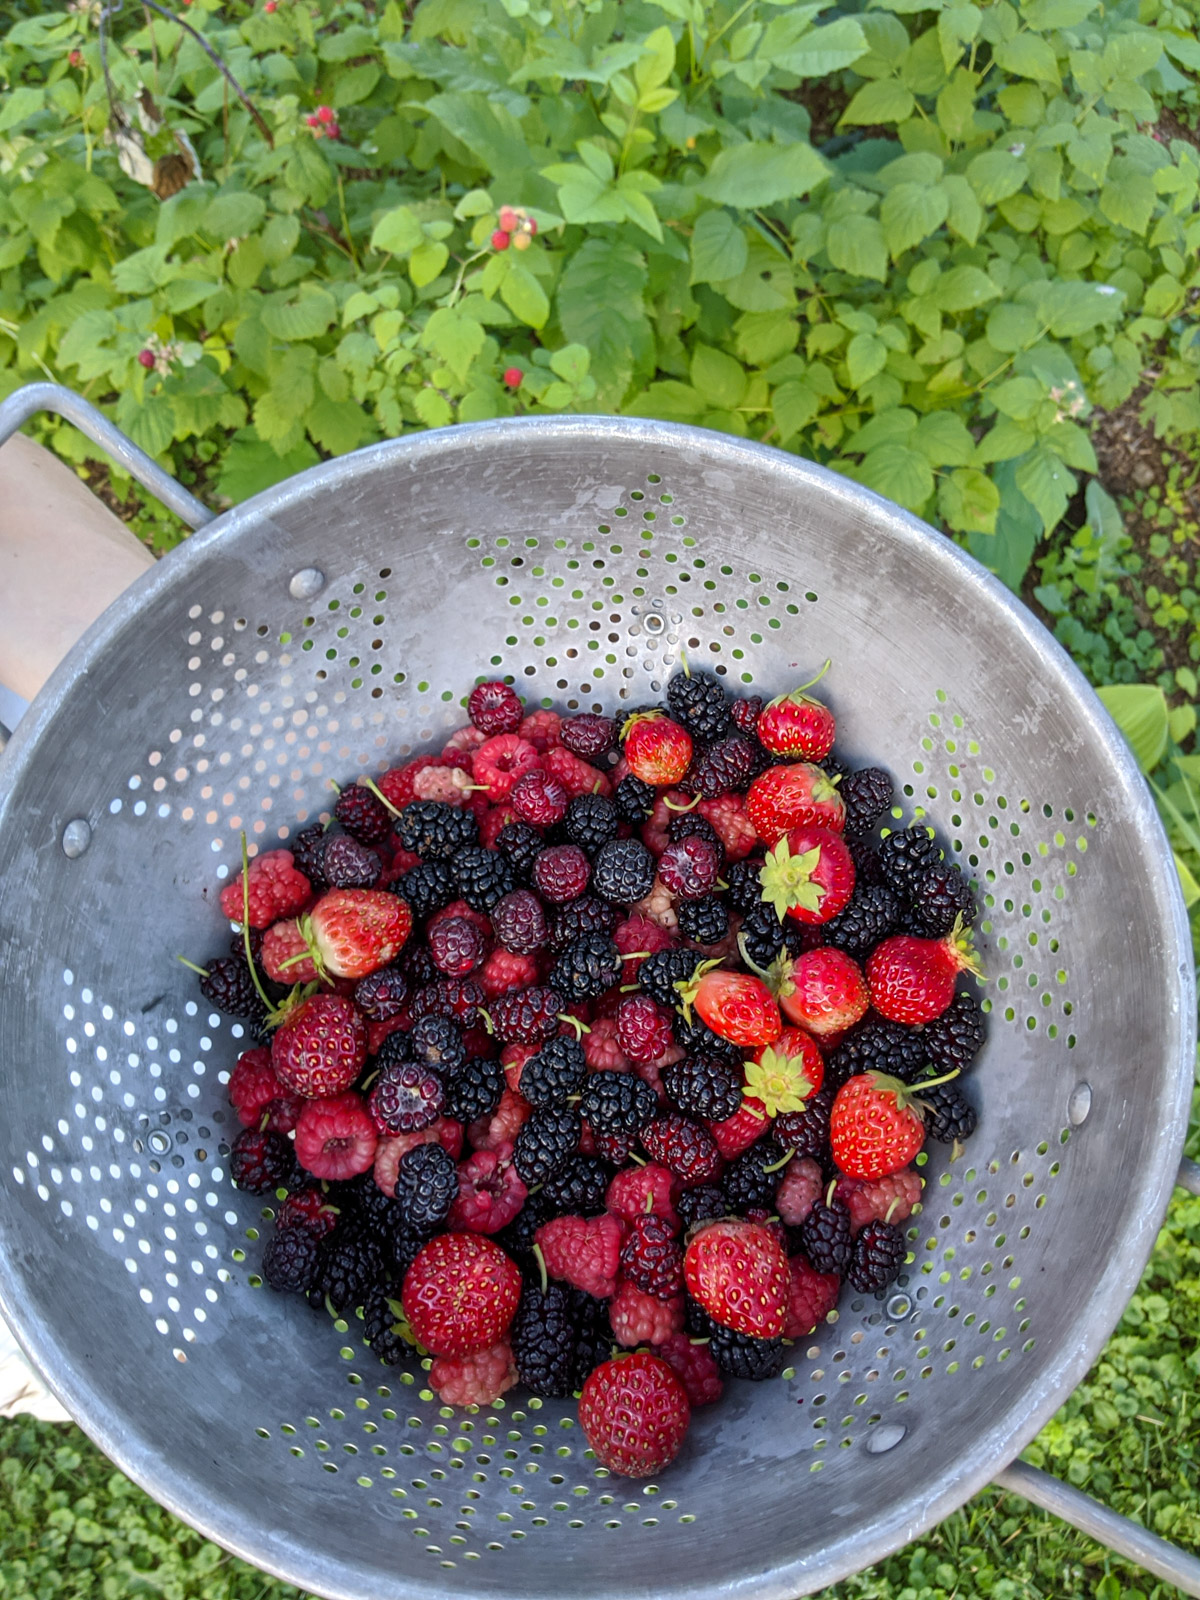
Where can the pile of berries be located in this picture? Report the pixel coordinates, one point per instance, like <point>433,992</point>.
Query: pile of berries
<point>588,1036</point>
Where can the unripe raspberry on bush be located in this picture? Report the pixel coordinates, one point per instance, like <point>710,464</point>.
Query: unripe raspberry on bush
<point>508,218</point>
<point>521,241</point>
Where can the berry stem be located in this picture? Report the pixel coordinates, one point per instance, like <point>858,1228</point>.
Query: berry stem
<point>375,790</point>
<point>778,1166</point>
<point>203,971</point>
<point>541,1261</point>
<point>580,1027</point>
<point>691,805</point>
<point>262,993</point>
<point>887,1216</point>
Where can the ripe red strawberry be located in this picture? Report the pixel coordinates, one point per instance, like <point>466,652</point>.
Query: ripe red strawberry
<point>824,991</point>
<point>783,798</point>
<point>475,1380</point>
<point>812,1295</point>
<point>285,956</point>
<point>634,1413</point>
<point>874,1128</point>
<point>276,889</point>
<point>658,750</point>
<point>320,1049</point>
<point>783,1075</point>
<point>739,1273</point>
<point>735,1005</point>
<point>797,725</point>
<point>912,980</point>
<point>356,931</point>
<point>744,1128</point>
<point>460,1294</point>
<point>336,1138</point>
<point>809,875</point>
<point>584,1254</point>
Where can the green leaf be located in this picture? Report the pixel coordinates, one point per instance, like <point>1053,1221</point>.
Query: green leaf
<point>884,100</point>
<point>911,212</point>
<point>1028,56</point>
<point>1104,517</point>
<point>900,473</point>
<point>571,363</point>
<point>489,130</point>
<point>454,339</point>
<point>995,174</point>
<point>886,427</point>
<point>524,295</point>
<point>718,248</point>
<point>794,404</point>
<point>427,261</point>
<point>820,51</point>
<point>718,378</point>
<point>1008,551</point>
<point>865,356</point>
<point>658,60</point>
<point>1011,328</point>
<point>964,288</point>
<point>1004,441</point>
<point>279,239</point>
<point>338,426</point>
<point>313,313</point>
<point>233,215</point>
<point>670,400</point>
<point>1075,308</point>
<point>969,501</point>
<point>434,410</point>
<point>857,244</point>
<point>1129,202</point>
<point>965,216</point>
<point>1047,484</point>
<point>945,439</point>
<point>398,232</point>
<point>1191,889</point>
<point>19,105</point>
<point>758,174</point>
<point>1045,15</point>
<point>599,304</point>
<point>1140,712</point>
<point>248,466</point>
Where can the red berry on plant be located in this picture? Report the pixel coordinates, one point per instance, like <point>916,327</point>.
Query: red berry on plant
<point>520,241</point>
<point>76,60</point>
<point>507,218</point>
<point>501,240</point>
<point>513,377</point>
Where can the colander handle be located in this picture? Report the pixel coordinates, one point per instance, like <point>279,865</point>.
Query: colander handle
<point>1127,1538</point>
<point>37,397</point>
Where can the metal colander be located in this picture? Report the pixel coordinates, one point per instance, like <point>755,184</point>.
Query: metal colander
<point>331,626</point>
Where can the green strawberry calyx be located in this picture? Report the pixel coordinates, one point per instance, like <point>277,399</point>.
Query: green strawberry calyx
<point>908,1095</point>
<point>779,1081</point>
<point>798,697</point>
<point>778,977</point>
<point>960,947</point>
<point>786,880</point>
<point>311,951</point>
<point>632,721</point>
<point>689,988</point>
<point>291,1002</point>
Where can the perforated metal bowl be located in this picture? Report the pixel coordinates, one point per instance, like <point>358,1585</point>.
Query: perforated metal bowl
<point>331,626</point>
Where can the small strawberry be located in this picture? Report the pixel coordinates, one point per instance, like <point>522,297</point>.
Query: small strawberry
<point>783,798</point>
<point>460,1294</point>
<point>912,980</point>
<point>875,1127</point>
<point>352,932</point>
<point>738,1272</point>
<point>658,750</point>
<point>320,1049</point>
<point>336,1138</point>
<point>797,725</point>
<point>634,1413</point>
<point>584,1254</point>
<point>735,1005</point>
<point>809,875</point>
<point>823,991</point>
<point>783,1075</point>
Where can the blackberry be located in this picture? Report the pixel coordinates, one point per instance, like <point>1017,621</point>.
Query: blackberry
<point>825,1237</point>
<point>877,1045</point>
<point>308,853</point>
<point>864,852</point>
<point>691,825</point>
<point>954,1039</point>
<point>623,872</point>
<point>558,1071</point>
<point>520,845</point>
<point>415,964</point>
<point>395,1050</point>
<point>725,766</point>
<point>698,701</point>
<point>519,922</point>
<point>405,1099</point>
<point>363,815</point>
<point>543,1336</point>
<point>687,1148</point>
<point>738,1355</point>
<point>289,1262</point>
<point>517,1238</point>
<point>635,800</point>
<point>545,1143</point>
<point>585,915</point>
<point>746,711</point>
<point>905,855</point>
<point>428,887</point>
<point>379,1319</point>
<point>382,994</point>
<point>871,915</point>
<point>483,876</point>
<point>527,1016</point>
<point>426,1187</point>
<point>660,972</point>
<point>766,937</point>
<point>350,865</point>
<point>435,831</point>
<point>437,1043</point>
<point>350,1263</point>
<point>698,1039</point>
<point>807,1132</point>
<point>745,889</point>
<point>363,1205</point>
<point>579,1188</point>
<point>705,920</point>
<point>940,895</point>
<point>617,1102</point>
<point>835,765</point>
<point>878,1255</point>
<point>747,1183</point>
<point>594,1342</point>
<point>949,1115</point>
<point>701,1204</point>
<point>473,1090</point>
<point>591,821</point>
<point>866,795</point>
<point>401,1248</point>
<point>229,985</point>
<point>260,1161</point>
<point>708,1087</point>
<point>587,967</point>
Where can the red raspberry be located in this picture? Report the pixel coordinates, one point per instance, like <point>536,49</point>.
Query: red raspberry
<point>456,945</point>
<point>494,708</point>
<point>651,1072</point>
<point>802,1186</point>
<point>634,1414</point>
<point>654,829</point>
<point>377,1032</point>
<point>276,890</point>
<point>512,375</point>
<point>601,1050</point>
<point>310,1209</point>
<point>527,1016</point>
<point>501,761</point>
<point>889,1199</point>
<point>146,359</point>
<point>502,1127</point>
<point>690,868</point>
<point>490,1191</point>
<point>643,1028</point>
<point>687,1148</point>
<point>694,1366</point>
<point>639,932</point>
<point>812,1296</point>
<point>405,1099</point>
<point>640,1318</point>
<point>541,728</point>
<point>475,1380</point>
<point>561,873</point>
<point>493,822</point>
<point>460,1294</point>
<point>577,777</point>
<point>396,786</point>
<point>253,1085</point>
<point>335,1138</point>
<point>402,861</point>
<point>585,1254</point>
<point>651,1257</point>
<point>500,239</point>
<point>738,1132</point>
<point>503,972</point>
<point>539,799</point>
<point>589,736</point>
<point>734,828</point>
<point>391,1152</point>
<point>643,1191</point>
<point>508,218</point>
